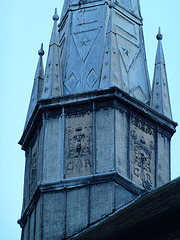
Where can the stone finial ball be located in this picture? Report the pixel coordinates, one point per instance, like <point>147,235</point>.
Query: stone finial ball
<point>55,17</point>
<point>159,36</point>
<point>41,52</point>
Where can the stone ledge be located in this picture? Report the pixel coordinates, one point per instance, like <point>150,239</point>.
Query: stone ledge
<point>79,182</point>
<point>91,97</point>
<point>150,210</point>
<point>92,180</point>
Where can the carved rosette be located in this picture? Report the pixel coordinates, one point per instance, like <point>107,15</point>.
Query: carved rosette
<point>78,145</point>
<point>142,153</point>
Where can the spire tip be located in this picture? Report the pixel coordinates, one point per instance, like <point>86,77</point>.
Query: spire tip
<point>55,16</point>
<point>159,36</point>
<point>41,51</point>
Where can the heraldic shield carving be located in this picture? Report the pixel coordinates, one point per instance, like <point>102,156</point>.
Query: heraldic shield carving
<point>142,153</point>
<point>78,151</point>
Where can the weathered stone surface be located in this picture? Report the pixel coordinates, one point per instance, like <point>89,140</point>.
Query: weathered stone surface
<point>122,196</point>
<point>131,5</point>
<point>106,42</point>
<point>91,153</point>
<point>26,232</point>
<point>77,210</point>
<point>163,159</point>
<point>78,145</point>
<point>101,201</point>
<point>32,226</point>
<point>51,161</point>
<point>105,140</point>
<point>37,86</point>
<point>160,99</point>
<point>122,139</point>
<point>114,137</point>
<point>150,217</point>
<point>53,74</point>
<point>85,34</point>
<point>54,215</point>
<point>41,151</point>
<point>33,166</point>
<point>26,181</point>
<point>61,145</point>
<point>38,220</point>
<point>143,152</point>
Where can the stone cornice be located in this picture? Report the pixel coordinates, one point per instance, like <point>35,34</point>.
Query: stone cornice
<point>113,93</point>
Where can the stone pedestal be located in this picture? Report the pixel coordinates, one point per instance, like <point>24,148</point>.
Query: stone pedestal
<point>88,155</point>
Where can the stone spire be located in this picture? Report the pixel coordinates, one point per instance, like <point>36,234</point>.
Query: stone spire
<point>38,85</point>
<point>106,43</point>
<point>53,80</point>
<point>93,150</point>
<point>160,99</point>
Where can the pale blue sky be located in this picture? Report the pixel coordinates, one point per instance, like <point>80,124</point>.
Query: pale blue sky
<point>23,26</point>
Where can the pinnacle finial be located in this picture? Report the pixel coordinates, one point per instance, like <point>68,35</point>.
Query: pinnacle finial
<point>55,16</point>
<point>159,35</point>
<point>41,51</point>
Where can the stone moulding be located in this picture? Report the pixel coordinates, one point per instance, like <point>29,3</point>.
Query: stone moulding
<point>91,97</point>
<point>152,210</point>
<point>78,182</point>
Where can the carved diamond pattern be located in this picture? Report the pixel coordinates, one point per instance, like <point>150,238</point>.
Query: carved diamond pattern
<point>71,82</point>
<point>91,78</point>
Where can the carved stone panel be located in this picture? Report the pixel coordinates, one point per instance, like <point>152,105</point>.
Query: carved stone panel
<point>85,30</point>
<point>142,153</point>
<point>78,145</point>
<point>33,167</point>
<point>127,33</point>
<point>85,41</point>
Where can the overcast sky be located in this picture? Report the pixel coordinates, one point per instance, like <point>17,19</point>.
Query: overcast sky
<point>23,26</point>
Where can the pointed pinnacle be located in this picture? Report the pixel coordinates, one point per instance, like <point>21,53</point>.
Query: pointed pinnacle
<point>159,36</point>
<point>54,35</point>
<point>41,51</point>
<point>40,70</point>
<point>55,16</point>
